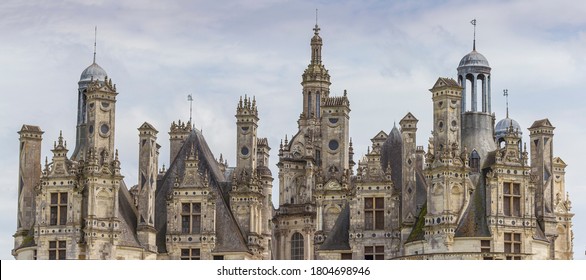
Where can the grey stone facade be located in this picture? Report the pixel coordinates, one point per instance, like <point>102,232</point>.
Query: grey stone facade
<point>475,192</point>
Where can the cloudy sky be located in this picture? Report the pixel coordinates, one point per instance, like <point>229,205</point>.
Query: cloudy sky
<point>386,54</point>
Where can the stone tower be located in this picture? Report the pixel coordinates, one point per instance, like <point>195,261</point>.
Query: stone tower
<point>409,207</point>
<point>477,125</point>
<point>316,84</point>
<point>248,191</point>
<point>446,170</point>
<point>246,126</point>
<point>147,184</point>
<point>92,73</point>
<point>178,133</point>
<point>314,167</point>
<point>541,143</point>
<point>266,181</point>
<point>29,175</point>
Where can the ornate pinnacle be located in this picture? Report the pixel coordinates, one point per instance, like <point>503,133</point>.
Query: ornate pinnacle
<point>60,138</point>
<point>46,165</point>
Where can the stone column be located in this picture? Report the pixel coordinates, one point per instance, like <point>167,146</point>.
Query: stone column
<point>473,108</point>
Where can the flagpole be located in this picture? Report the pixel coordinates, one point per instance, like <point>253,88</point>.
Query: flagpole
<point>190,99</point>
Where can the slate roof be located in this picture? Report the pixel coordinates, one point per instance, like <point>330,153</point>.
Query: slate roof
<point>230,237</point>
<point>445,82</point>
<point>474,223</point>
<point>541,123</point>
<point>338,239</point>
<point>127,213</point>
<point>392,154</point>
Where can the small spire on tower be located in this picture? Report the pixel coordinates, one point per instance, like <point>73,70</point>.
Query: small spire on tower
<point>95,40</point>
<point>506,95</point>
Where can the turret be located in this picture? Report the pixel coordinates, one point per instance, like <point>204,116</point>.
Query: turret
<point>178,132</point>
<point>335,132</point>
<point>408,193</point>
<point>147,184</point>
<point>92,74</point>
<point>316,83</point>
<point>101,113</point>
<point>446,96</point>
<point>477,125</point>
<point>246,126</point>
<point>29,175</point>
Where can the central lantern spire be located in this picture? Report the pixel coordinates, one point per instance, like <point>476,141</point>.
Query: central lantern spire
<point>316,43</point>
<point>316,80</point>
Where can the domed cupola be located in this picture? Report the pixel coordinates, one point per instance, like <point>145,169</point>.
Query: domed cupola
<point>501,128</point>
<point>392,156</point>
<point>474,59</point>
<point>507,124</point>
<point>94,71</point>
<point>474,68</point>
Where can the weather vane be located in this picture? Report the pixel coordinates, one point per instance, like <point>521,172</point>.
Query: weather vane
<point>506,95</point>
<point>190,99</point>
<point>474,41</point>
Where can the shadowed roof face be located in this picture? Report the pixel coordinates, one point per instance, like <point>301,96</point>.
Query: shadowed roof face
<point>391,155</point>
<point>339,238</point>
<point>229,235</point>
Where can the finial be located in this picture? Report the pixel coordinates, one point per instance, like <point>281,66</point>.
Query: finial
<point>95,40</point>
<point>474,41</point>
<point>345,93</point>
<point>60,137</point>
<point>116,155</point>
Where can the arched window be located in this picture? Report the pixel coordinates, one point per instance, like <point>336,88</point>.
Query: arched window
<point>297,246</point>
<point>317,105</point>
<point>475,162</point>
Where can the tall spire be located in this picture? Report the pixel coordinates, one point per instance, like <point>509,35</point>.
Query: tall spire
<point>95,40</point>
<point>474,40</point>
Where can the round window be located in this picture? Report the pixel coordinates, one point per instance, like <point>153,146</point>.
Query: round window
<point>333,145</point>
<point>104,129</point>
<point>244,151</point>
